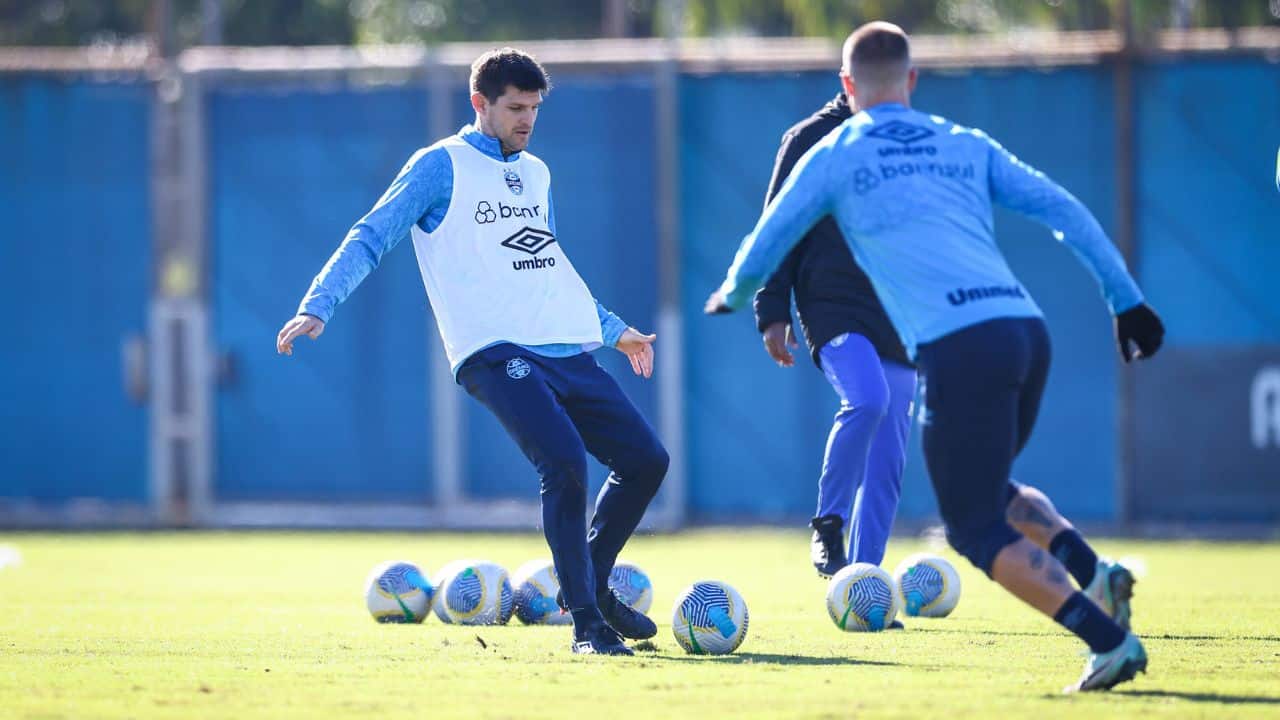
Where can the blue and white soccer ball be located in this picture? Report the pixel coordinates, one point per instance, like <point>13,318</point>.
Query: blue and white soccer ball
<point>928,585</point>
<point>398,592</point>
<point>632,586</point>
<point>862,597</point>
<point>475,593</point>
<point>709,618</point>
<point>437,581</point>
<point>535,585</point>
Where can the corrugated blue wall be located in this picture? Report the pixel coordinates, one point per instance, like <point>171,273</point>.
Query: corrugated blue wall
<point>1208,211</point>
<point>291,166</point>
<point>75,262</point>
<point>1208,225</point>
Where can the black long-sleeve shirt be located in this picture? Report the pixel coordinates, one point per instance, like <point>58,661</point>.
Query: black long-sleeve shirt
<point>833,295</point>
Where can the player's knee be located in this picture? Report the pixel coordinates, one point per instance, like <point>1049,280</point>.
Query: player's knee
<point>649,465</point>
<point>869,401</point>
<point>980,545</point>
<point>565,472</point>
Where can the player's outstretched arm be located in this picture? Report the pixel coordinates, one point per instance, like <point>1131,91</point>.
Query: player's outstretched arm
<point>802,201</point>
<point>298,326</point>
<point>425,182</point>
<point>1020,187</point>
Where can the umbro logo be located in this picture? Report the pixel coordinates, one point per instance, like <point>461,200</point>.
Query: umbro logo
<point>899,131</point>
<point>529,240</point>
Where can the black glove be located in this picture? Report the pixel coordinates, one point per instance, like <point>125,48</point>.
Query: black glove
<point>1141,326</point>
<point>715,305</point>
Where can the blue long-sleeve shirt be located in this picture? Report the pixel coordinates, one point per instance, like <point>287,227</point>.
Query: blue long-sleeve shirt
<point>912,194</point>
<point>419,195</point>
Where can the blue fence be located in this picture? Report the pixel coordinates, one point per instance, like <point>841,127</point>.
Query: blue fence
<point>292,165</point>
<point>75,260</point>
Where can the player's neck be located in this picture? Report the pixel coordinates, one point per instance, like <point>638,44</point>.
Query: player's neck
<point>486,130</point>
<point>885,98</point>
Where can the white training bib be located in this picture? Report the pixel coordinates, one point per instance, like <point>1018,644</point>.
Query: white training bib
<point>492,269</point>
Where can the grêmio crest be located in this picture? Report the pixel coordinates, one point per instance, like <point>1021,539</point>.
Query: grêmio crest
<point>514,183</point>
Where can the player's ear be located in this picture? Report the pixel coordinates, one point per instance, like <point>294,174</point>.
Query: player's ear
<point>479,102</point>
<point>846,82</point>
<point>912,77</point>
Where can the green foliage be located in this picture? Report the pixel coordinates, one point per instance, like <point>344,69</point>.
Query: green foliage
<point>328,22</point>
<point>273,625</point>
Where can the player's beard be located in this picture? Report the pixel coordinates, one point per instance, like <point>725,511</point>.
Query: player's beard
<point>516,142</point>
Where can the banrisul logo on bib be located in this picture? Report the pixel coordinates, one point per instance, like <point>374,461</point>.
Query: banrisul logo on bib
<point>514,184</point>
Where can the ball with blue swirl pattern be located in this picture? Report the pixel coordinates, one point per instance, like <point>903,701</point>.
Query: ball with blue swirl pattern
<point>709,618</point>
<point>928,585</point>
<point>397,591</point>
<point>475,593</point>
<point>535,585</point>
<point>632,586</point>
<point>862,598</point>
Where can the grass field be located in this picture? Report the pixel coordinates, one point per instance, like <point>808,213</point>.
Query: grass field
<point>263,625</point>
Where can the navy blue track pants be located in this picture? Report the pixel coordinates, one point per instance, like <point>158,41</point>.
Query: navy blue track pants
<point>983,386</point>
<point>557,410</point>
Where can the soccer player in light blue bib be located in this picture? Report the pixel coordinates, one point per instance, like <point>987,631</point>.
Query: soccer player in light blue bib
<point>912,194</point>
<point>518,323</point>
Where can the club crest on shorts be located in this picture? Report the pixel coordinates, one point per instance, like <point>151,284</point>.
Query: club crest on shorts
<point>514,184</point>
<point>518,368</point>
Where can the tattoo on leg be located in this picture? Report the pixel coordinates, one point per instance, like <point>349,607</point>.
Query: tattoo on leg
<point>1037,559</point>
<point>1027,511</point>
<point>1056,576</point>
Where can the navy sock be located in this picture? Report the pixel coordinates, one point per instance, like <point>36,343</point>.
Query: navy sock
<point>1087,621</point>
<point>1075,554</point>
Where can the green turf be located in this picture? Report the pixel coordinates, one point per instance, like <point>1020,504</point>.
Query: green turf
<point>273,626</point>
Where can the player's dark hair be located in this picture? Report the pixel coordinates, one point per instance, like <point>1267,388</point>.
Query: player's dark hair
<point>493,71</point>
<point>877,44</point>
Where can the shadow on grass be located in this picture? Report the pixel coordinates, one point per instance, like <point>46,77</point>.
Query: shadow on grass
<point>1263,638</point>
<point>767,659</point>
<point>1202,697</point>
<point>1048,633</point>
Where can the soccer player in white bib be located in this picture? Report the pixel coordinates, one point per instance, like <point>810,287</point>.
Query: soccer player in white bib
<point>518,324</point>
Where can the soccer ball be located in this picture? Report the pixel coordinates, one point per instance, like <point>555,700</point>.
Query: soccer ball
<point>709,618</point>
<point>928,584</point>
<point>862,597</point>
<point>632,586</point>
<point>535,585</point>
<point>475,593</point>
<point>446,572</point>
<point>397,592</point>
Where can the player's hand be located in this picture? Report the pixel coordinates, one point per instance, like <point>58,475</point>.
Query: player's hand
<point>777,338</point>
<point>297,327</point>
<point>1141,326</point>
<point>716,305</point>
<point>638,348</point>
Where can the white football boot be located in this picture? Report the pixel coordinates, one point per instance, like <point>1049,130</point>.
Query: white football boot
<point>1103,671</point>
<point>1111,589</point>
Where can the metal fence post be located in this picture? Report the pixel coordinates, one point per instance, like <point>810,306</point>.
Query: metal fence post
<point>180,435</point>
